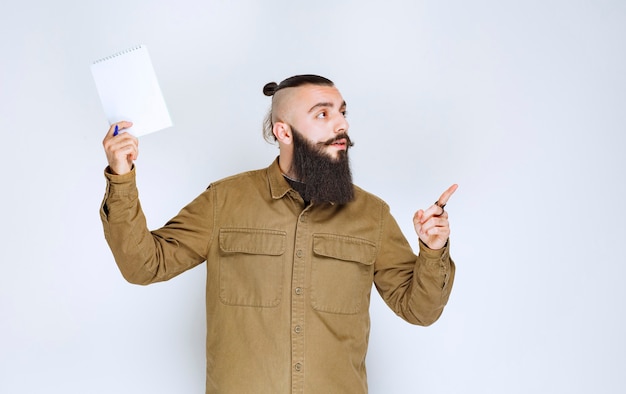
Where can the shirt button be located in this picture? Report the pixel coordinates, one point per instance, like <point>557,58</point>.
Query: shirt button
<point>298,367</point>
<point>298,290</point>
<point>302,219</point>
<point>299,253</point>
<point>297,329</point>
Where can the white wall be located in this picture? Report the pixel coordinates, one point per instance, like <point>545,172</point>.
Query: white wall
<point>520,102</point>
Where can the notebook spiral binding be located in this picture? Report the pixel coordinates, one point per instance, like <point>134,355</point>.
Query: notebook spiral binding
<point>129,50</point>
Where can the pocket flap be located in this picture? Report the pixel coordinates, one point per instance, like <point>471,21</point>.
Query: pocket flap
<point>345,248</point>
<point>252,241</point>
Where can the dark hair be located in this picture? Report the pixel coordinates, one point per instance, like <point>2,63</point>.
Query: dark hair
<point>271,88</point>
<point>297,80</point>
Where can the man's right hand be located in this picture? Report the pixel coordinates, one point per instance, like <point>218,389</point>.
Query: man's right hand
<point>121,149</point>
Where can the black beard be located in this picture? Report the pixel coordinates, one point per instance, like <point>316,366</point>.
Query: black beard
<point>323,178</point>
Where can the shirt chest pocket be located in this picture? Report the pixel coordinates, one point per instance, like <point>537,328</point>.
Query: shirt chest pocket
<point>251,266</point>
<point>341,273</point>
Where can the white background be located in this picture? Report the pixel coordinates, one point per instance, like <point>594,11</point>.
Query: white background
<point>522,103</point>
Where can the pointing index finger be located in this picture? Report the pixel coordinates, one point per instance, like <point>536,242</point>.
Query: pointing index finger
<point>443,200</point>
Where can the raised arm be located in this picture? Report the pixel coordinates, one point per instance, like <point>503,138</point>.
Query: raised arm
<point>145,256</point>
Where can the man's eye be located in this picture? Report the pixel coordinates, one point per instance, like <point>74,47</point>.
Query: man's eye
<point>321,115</point>
<point>345,113</point>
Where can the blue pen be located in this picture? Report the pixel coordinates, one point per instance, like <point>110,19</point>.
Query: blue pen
<point>115,132</point>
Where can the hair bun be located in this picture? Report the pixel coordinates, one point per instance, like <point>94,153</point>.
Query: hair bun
<point>270,88</point>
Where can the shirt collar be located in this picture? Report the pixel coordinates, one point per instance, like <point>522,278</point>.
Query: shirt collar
<point>278,185</point>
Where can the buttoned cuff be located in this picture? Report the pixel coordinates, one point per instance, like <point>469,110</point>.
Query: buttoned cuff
<point>436,257</point>
<point>124,181</point>
<point>439,255</point>
<point>119,188</point>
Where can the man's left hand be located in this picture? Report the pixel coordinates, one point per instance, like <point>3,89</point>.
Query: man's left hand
<point>432,225</point>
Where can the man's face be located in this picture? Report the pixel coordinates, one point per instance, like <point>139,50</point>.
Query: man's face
<point>319,114</point>
<point>315,116</point>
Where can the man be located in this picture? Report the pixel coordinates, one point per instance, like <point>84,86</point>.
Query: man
<point>291,250</point>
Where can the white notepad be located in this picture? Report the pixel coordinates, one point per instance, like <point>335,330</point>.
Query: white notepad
<point>129,90</point>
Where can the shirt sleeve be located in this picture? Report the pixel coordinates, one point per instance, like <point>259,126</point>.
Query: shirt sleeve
<point>416,288</point>
<point>145,256</point>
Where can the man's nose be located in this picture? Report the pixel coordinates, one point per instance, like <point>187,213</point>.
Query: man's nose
<point>342,125</point>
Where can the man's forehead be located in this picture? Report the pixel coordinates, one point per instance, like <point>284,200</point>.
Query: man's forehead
<point>310,96</point>
<point>300,101</point>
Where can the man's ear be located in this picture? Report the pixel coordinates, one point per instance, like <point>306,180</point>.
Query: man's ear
<point>283,133</point>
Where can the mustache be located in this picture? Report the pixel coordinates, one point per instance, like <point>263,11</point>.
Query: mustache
<point>342,136</point>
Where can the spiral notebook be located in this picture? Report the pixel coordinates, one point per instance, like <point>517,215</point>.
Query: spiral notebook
<point>129,90</point>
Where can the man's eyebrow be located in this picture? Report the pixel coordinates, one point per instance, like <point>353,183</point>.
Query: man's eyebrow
<point>325,105</point>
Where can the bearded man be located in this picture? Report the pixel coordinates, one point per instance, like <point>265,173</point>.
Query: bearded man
<point>291,252</point>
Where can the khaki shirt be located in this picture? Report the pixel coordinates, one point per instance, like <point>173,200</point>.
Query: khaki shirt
<point>288,285</point>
